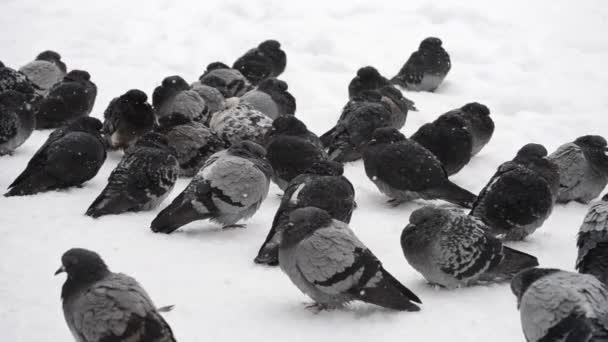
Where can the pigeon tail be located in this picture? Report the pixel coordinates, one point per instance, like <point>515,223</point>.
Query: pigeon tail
<point>178,213</point>
<point>455,194</point>
<point>29,184</point>
<point>512,263</point>
<point>328,137</point>
<point>389,293</point>
<point>108,205</point>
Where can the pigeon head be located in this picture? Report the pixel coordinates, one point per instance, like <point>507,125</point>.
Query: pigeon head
<point>594,148</point>
<point>591,142</point>
<point>175,83</point>
<point>174,119</point>
<point>272,84</point>
<point>368,73</point>
<point>530,152</point>
<point>326,168</point>
<point>155,140</point>
<point>85,124</point>
<point>269,45</point>
<point>53,57</point>
<point>248,149</point>
<point>605,198</point>
<point>289,125</point>
<point>522,281</point>
<point>429,212</point>
<point>368,96</point>
<point>78,75</point>
<point>476,109</point>
<point>387,135</point>
<point>451,119</point>
<point>135,96</point>
<point>302,223</point>
<point>12,99</point>
<point>215,66</point>
<point>272,49</point>
<point>82,265</point>
<point>430,43</point>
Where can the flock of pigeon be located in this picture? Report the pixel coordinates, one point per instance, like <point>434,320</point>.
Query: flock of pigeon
<point>234,131</point>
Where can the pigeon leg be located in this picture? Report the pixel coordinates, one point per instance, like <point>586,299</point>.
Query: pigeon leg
<point>317,308</point>
<point>395,202</point>
<point>231,226</point>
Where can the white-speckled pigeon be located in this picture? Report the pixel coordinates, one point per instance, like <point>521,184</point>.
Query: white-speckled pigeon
<point>403,170</point>
<point>368,78</point>
<point>193,142</point>
<point>240,122</point>
<point>72,155</point>
<point>583,169</point>
<point>45,71</point>
<point>426,68</point>
<point>102,306</point>
<point>264,61</point>
<point>230,187</point>
<point>213,98</point>
<point>326,261</point>
<point>452,249</point>
<point>479,123</point>
<point>520,195</point>
<point>271,98</point>
<point>11,79</point>
<point>17,120</point>
<point>174,95</point>
<point>230,82</point>
<point>127,118</point>
<point>593,242</point>
<point>143,178</point>
<point>72,97</point>
<point>560,306</point>
<point>322,186</point>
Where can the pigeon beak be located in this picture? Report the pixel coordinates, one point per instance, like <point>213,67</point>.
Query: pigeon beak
<point>60,270</point>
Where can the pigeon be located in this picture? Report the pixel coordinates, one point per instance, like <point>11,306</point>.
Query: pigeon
<point>271,98</point>
<point>398,105</point>
<point>556,305</point>
<point>174,95</point>
<point>193,142</point>
<point>360,117</point>
<point>426,68</point>
<point>143,178</point>
<point>230,187</point>
<point>326,261</point>
<point>403,170</point>
<point>323,186</point>
<point>451,249</point>
<point>240,122</point>
<point>17,121</point>
<point>449,139</point>
<point>127,118</point>
<point>519,197</point>
<point>45,71</point>
<point>583,169</point>
<point>593,242</point>
<point>479,123</point>
<point>368,78</point>
<point>213,98</point>
<point>266,60</point>
<point>72,97</point>
<point>230,82</point>
<point>99,305</point>
<point>290,125</point>
<point>72,155</point>
<point>289,150</point>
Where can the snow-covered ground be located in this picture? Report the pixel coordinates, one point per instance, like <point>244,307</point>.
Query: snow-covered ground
<point>539,66</point>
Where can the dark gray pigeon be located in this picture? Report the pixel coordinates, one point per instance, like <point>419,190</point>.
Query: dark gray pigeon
<point>322,186</point>
<point>520,195</point>
<point>403,170</point>
<point>449,139</point>
<point>583,169</point>
<point>193,142</point>
<point>290,150</point>
<point>141,181</point>
<point>102,306</point>
<point>213,98</point>
<point>11,79</point>
<point>264,61</point>
<point>17,121</point>
<point>360,117</point>
<point>72,155</point>
<point>230,187</point>
<point>72,97</point>
<point>479,123</point>
<point>174,95</point>
<point>561,306</point>
<point>593,242</point>
<point>326,261</point>
<point>45,71</point>
<point>368,78</point>
<point>127,118</point>
<point>453,250</point>
<point>240,121</point>
<point>426,68</point>
<point>230,82</point>
<point>271,98</point>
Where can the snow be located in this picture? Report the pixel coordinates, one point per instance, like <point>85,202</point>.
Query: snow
<point>538,66</point>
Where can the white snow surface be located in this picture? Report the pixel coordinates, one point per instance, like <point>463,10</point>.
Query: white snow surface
<point>536,64</point>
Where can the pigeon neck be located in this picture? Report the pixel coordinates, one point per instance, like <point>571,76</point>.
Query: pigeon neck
<point>75,284</point>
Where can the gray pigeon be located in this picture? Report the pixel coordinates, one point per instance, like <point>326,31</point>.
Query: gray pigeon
<point>426,68</point>
<point>45,71</point>
<point>593,242</point>
<point>326,261</point>
<point>230,82</point>
<point>17,121</point>
<point>230,187</point>
<point>368,78</point>
<point>72,155</point>
<point>583,169</point>
<point>213,98</point>
<point>520,195</point>
<point>193,142</point>
<point>322,186</point>
<point>264,61</point>
<point>561,306</point>
<point>271,98</point>
<point>174,95</point>
<point>102,306</point>
<point>453,250</point>
<point>127,118</point>
<point>143,179</point>
<point>72,97</point>
<point>403,170</point>
<point>240,121</point>
<point>479,123</point>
